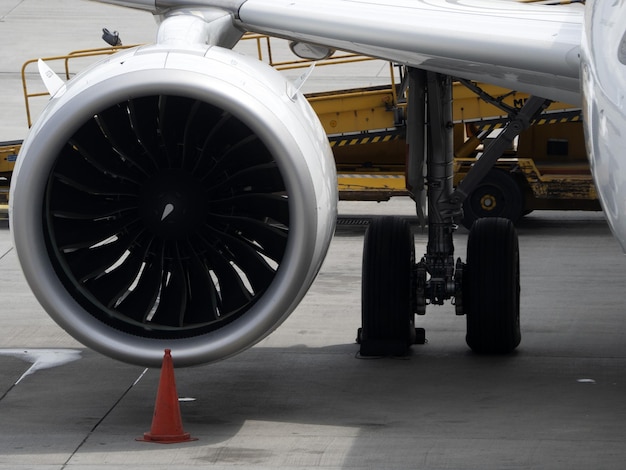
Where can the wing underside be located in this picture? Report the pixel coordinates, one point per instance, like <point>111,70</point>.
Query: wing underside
<point>532,48</point>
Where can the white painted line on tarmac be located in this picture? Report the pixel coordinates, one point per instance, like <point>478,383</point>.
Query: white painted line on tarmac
<point>42,358</point>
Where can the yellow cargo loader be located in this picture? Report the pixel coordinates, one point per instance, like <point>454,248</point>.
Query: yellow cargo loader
<point>8,155</point>
<point>548,170</point>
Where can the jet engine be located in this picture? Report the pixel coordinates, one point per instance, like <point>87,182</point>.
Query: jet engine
<point>168,198</point>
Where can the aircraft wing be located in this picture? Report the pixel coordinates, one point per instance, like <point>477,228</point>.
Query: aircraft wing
<point>531,48</point>
<point>518,46</point>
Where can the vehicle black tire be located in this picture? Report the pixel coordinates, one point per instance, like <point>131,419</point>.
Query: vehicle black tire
<point>387,288</point>
<point>491,287</point>
<point>497,195</point>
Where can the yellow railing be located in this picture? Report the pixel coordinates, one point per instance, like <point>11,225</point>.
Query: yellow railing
<point>66,60</point>
<point>264,53</point>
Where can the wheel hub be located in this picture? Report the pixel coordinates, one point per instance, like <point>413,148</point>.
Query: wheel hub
<point>488,202</point>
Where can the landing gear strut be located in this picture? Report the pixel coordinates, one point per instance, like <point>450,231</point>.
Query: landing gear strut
<point>486,288</point>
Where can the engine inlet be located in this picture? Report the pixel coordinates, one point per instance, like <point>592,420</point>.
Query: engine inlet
<point>165,216</point>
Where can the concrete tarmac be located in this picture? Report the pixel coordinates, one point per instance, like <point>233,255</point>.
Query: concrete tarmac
<point>302,398</point>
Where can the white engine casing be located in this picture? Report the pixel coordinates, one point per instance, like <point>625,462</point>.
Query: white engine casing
<point>254,93</point>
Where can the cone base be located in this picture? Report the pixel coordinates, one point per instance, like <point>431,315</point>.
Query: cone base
<point>166,439</point>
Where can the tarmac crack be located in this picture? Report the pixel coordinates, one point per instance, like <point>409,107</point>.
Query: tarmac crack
<point>6,253</point>
<point>101,420</point>
<point>3,17</point>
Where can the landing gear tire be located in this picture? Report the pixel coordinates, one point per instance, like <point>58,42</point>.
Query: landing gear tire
<point>491,287</point>
<point>497,195</point>
<point>387,290</point>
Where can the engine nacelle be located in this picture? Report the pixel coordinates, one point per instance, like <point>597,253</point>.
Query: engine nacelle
<point>180,199</point>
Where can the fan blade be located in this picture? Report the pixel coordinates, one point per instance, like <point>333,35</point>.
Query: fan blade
<point>173,297</point>
<point>258,206</point>
<point>271,239</point>
<point>251,263</point>
<point>202,305</point>
<point>263,178</point>
<point>143,115</point>
<point>174,112</point>
<point>96,149</point>
<point>202,120</point>
<point>115,123</point>
<point>112,285</point>
<point>75,171</point>
<point>75,233</point>
<point>71,203</point>
<point>232,292</point>
<point>89,262</point>
<point>141,301</point>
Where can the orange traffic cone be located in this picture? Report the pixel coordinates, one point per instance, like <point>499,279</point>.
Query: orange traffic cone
<point>167,425</point>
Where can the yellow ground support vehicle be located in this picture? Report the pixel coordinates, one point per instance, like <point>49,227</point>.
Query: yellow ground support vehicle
<point>547,171</point>
<point>548,168</point>
<point>8,155</point>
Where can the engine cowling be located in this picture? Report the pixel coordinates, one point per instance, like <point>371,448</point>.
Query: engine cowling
<point>180,199</point>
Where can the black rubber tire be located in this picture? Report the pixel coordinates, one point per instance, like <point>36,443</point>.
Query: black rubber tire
<point>491,287</point>
<point>497,195</point>
<point>387,290</point>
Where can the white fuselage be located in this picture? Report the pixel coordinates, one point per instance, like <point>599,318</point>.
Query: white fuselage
<point>603,73</point>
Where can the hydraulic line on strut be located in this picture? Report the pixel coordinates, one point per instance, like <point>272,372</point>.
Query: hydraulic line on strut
<point>439,258</point>
<point>431,144</point>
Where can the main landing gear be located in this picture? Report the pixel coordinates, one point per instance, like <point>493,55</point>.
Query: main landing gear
<point>486,288</point>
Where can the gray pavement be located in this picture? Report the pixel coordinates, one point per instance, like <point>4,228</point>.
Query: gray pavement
<point>301,398</point>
